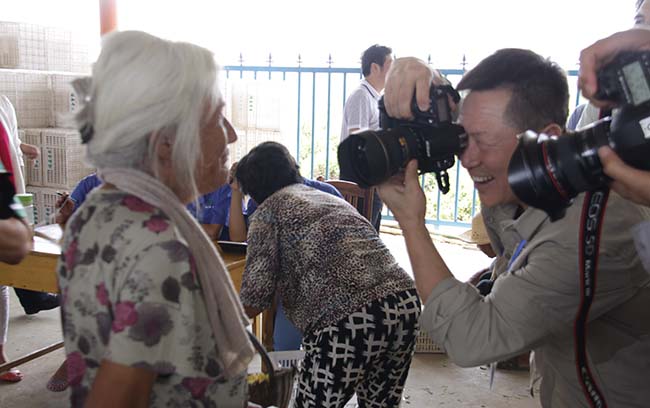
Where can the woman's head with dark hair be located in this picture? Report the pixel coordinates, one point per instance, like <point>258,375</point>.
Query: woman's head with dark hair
<point>267,168</point>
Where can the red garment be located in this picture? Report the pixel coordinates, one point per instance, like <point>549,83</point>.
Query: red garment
<point>5,153</point>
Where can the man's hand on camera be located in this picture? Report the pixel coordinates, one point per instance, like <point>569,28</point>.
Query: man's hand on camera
<point>404,196</point>
<point>405,76</point>
<point>602,51</point>
<point>629,182</point>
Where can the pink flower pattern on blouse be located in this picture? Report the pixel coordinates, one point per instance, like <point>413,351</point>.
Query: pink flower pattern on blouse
<point>134,203</point>
<point>125,316</point>
<point>130,297</point>
<point>76,367</point>
<point>196,386</point>
<point>102,294</point>
<point>156,224</point>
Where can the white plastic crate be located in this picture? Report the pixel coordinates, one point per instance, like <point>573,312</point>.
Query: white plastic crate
<point>44,204</point>
<point>424,344</point>
<point>58,49</point>
<point>65,100</point>
<point>32,48</point>
<point>11,55</point>
<point>33,168</point>
<point>287,359</point>
<point>34,100</point>
<point>80,56</point>
<point>63,154</point>
<point>8,51</point>
<point>8,86</point>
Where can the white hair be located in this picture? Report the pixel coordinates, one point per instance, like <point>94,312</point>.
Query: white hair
<point>141,86</point>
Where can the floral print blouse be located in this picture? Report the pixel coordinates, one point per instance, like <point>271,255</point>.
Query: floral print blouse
<point>130,295</point>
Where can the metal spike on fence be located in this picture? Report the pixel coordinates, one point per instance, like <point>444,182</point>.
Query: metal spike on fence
<point>299,59</point>
<point>329,60</point>
<point>464,62</point>
<point>429,59</point>
<point>270,60</point>
<point>241,59</point>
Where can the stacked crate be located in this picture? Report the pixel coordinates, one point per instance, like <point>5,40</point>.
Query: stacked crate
<point>59,167</point>
<point>37,66</point>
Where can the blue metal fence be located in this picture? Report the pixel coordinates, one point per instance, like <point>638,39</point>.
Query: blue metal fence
<point>458,214</point>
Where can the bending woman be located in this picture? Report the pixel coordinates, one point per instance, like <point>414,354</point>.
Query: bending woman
<point>338,284</point>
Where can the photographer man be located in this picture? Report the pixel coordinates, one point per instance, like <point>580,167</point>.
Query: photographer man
<point>629,182</point>
<point>534,302</point>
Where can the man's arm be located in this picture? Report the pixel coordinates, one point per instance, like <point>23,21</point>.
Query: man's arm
<point>237,226</point>
<point>15,240</point>
<point>631,183</point>
<point>213,230</point>
<point>405,198</point>
<point>118,385</point>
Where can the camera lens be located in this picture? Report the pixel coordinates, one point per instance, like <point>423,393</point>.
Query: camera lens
<point>372,157</point>
<point>548,172</point>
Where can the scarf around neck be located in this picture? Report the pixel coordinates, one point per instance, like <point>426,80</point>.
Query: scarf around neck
<point>225,312</point>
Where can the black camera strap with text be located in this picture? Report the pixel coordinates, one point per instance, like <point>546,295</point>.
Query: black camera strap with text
<point>593,213</point>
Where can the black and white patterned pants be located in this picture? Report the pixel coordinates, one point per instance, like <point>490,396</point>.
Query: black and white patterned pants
<point>369,352</point>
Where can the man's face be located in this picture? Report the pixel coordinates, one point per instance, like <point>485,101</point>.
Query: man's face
<point>491,142</point>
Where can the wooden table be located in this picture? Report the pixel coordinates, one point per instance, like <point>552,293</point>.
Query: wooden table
<point>38,272</point>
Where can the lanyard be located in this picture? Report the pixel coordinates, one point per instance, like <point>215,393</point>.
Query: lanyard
<point>520,247</point>
<point>518,250</point>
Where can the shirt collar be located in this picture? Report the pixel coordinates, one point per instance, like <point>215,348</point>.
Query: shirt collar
<point>372,90</point>
<point>505,231</point>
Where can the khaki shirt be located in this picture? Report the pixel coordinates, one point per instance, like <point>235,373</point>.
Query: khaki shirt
<point>533,305</point>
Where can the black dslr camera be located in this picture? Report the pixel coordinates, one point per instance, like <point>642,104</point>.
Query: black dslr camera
<point>549,172</point>
<point>372,157</point>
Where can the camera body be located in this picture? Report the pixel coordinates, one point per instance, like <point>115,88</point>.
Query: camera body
<point>548,172</point>
<point>371,157</point>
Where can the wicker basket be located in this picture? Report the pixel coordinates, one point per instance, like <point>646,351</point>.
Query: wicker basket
<point>277,391</point>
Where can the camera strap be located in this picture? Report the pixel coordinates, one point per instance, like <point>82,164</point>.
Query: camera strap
<point>593,212</point>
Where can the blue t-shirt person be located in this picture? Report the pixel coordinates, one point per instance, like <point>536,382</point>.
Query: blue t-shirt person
<point>85,186</point>
<point>214,208</point>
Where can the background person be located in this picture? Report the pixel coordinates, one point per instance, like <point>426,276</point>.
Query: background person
<point>338,282</point>
<point>534,301</point>
<point>15,243</point>
<point>360,111</point>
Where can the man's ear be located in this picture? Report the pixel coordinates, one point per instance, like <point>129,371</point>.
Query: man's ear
<point>553,129</point>
<point>374,68</point>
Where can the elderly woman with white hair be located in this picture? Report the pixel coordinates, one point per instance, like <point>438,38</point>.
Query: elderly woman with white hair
<point>150,316</point>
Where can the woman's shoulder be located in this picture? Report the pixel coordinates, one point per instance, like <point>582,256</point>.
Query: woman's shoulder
<point>118,218</point>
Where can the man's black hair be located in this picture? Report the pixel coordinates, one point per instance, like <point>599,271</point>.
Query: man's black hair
<point>267,168</point>
<point>377,54</point>
<point>540,93</point>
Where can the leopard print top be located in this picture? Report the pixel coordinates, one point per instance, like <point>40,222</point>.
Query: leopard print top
<point>323,258</point>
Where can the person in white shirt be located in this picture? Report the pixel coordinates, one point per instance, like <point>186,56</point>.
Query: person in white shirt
<point>360,111</point>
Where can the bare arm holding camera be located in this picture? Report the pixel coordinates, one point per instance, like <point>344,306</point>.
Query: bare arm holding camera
<point>629,182</point>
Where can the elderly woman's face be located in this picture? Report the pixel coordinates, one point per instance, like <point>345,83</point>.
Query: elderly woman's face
<point>216,134</point>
